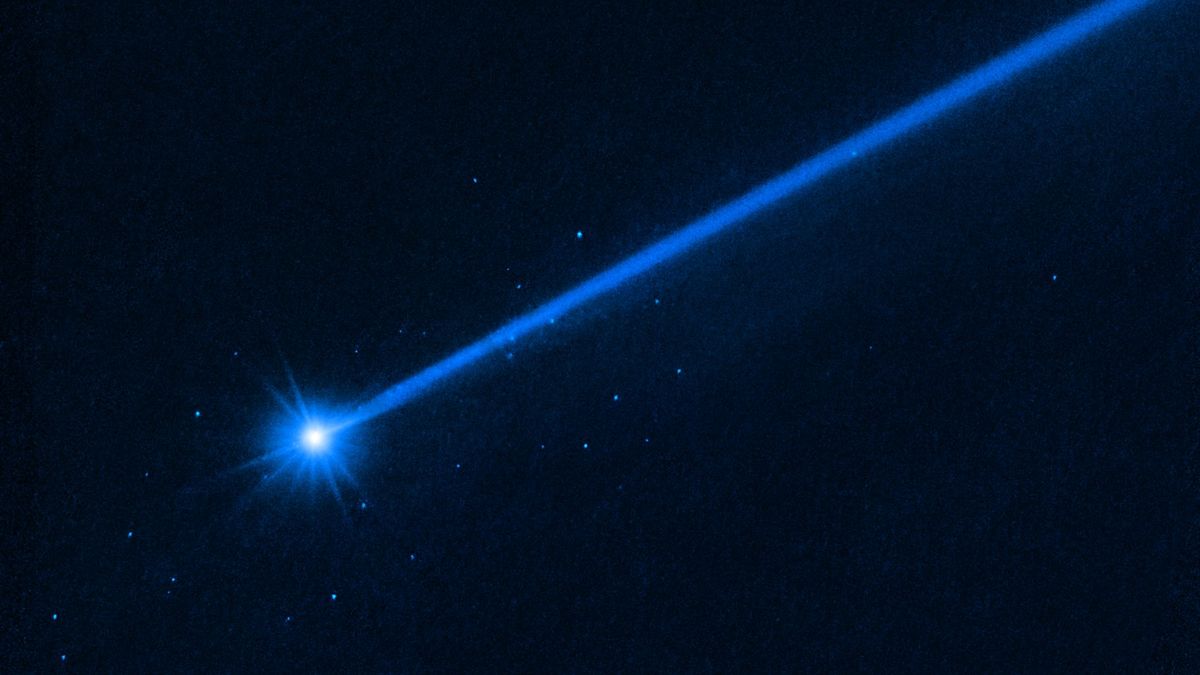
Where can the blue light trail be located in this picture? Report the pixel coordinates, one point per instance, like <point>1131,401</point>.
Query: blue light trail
<point>921,112</point>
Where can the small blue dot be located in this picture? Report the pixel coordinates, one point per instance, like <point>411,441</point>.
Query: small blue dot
<point>54,617</point>
<point>647,439</point>
<point>679,371</point>
<point>172,579</point>
<point>197,414</point>
<point>63,658</point>
<point>129,534</point>
<point>474,180</point>
<point>333,596</point>
<point>458,466</point>
<point>1053,277</point>
<point>585,446</point>
<point>579,234</point>
<point>616,397</point>
<point>657,301</point>
<point>362,505</point>
<point>412,556</point>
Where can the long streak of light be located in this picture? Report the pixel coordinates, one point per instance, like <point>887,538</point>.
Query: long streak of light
<point>912,117</point>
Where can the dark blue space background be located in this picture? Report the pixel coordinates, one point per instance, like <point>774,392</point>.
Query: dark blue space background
<point>936,413</point>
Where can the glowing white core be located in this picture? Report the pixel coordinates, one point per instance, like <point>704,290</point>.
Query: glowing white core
<point>315,439</point>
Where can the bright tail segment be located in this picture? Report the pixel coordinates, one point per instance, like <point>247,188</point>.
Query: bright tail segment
<point>922,111</point>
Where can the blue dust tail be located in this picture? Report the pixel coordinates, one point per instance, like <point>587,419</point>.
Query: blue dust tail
<point>921,112</point>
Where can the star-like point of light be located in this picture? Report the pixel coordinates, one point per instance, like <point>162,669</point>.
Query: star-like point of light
<point>314,439</point>
<point>308,445</point>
